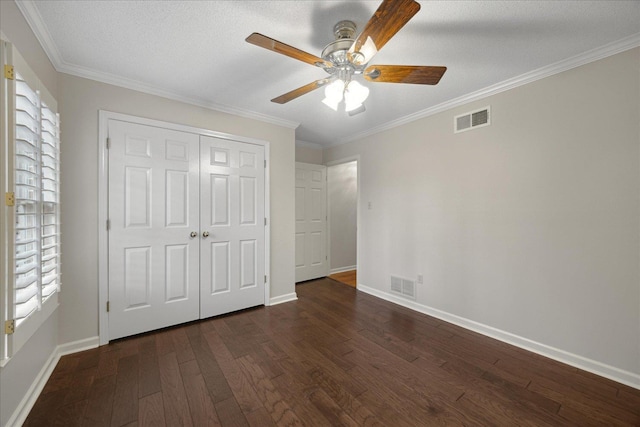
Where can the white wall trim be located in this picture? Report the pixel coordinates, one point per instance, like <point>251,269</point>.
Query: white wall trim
<point>619,375</point>
<point>342,269</point>
<point>103,197</point>
<point>34,19</point>
<point>78,346</point>
<point>283,298</point>
<point>26,404</point>
<point>602,52</point>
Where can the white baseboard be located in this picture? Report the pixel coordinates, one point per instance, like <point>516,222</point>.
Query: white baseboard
<point>619,375</point>
<point>342,269</point>
<point>77,346</point>
<point>283,298</point>
<point>26,404</point>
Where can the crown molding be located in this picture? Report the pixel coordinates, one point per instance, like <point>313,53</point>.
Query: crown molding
<point>34,19</point>
<point>126,83</point>
<point>593,55</point>
<point>315,145</point>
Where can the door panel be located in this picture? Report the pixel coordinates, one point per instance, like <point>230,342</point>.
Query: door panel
<point>153,207</point>
<point>232,212</point>
<point>311,221</point>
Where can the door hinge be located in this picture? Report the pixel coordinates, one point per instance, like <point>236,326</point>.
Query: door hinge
<point>108,224</point>
<point>108,143</point>
<point>9,72</point>
<point>265,278</point>
<point>265,163</point>
<point>265,221</point>
<point>9,327</point>
<point>108,306</point>
<point>10,198</point>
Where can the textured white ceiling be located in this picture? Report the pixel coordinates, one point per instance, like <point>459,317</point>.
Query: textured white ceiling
<point>195,50</point>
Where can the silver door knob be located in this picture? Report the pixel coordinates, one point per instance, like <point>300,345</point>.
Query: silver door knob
<point>193,234</point>
<point>205,234</point>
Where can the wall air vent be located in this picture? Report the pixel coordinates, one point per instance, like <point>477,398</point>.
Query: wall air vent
<point>396,284</point>
<point>472,120</point>
<point>403,287</point>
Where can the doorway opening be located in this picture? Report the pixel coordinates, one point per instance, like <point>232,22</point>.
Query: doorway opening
<point>342,212</point>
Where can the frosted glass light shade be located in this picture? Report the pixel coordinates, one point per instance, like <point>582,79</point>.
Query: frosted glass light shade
<point>334,91</point>
<point>354,96</point>
<point>331,103</point>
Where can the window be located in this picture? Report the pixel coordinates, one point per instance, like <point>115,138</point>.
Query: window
<point>31,226</point>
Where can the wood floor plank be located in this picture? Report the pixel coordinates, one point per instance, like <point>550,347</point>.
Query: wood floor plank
<point>100,402</point>
<point>80,385</point>
<point>240,386</point>
<point>182,345</point>
<point>271,398</point>
<point>346,277</point>
<point>149,369</point>
<point>260,418</point>
<point>201,407</point>
<point>70,415</point>
<point>230,414</point>
<point>176,407</point>
<point>330,409</point>
<point>151,411</point>
<point>336,356</point>
<point>213,376</point>
<point>125,397</point>
<point>350,405</point>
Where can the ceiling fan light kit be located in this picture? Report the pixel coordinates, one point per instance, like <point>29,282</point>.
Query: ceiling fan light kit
<point>346,57</point>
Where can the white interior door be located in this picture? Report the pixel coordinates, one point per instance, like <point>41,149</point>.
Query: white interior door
<point>233,222</point>
<point>153,209</point>
<point>311,221</point>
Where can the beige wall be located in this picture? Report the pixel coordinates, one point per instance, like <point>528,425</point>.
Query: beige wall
<point>21,371</point>
<point>80,100</point>
<point>305,154</point>
<point>530,225</point>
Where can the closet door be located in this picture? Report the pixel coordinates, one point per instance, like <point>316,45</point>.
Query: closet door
<point>154,228</point>
<point>232,226</point>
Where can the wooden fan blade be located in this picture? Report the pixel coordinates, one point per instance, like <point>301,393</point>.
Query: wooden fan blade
<point>290,51</point>
<point>421,75</point>
<point>390,17</point>
<point>283,99</point>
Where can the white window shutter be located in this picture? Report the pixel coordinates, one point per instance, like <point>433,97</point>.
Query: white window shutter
<point>30,232</point>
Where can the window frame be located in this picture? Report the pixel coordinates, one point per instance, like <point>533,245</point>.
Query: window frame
<point>10,343</point>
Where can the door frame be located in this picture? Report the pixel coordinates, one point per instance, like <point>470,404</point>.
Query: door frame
<point>343,160</point>
<point>103,202</point>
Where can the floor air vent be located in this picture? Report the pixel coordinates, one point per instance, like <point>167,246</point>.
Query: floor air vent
<point>404,287</point>
<point>472,120</point>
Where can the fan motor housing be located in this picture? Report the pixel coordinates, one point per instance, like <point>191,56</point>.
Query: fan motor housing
<point>337,51</point>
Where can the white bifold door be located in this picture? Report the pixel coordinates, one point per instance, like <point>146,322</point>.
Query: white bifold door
<point>186,227</point>
<point>311,221</point>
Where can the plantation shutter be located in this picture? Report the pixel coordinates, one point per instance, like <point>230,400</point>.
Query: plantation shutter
<point>27,197</point>
<point>30,178</point>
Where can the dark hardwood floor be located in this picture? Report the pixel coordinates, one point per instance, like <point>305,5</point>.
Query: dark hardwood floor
<point>334,357</point>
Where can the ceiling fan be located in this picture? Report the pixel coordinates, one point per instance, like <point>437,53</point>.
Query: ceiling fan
<point>347,57</point>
